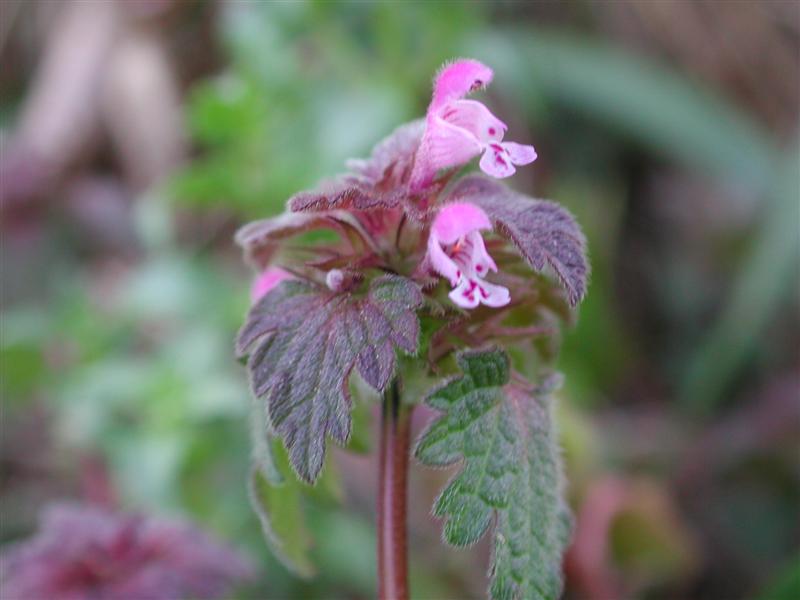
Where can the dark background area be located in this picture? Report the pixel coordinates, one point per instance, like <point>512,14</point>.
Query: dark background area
<point>137,136</point>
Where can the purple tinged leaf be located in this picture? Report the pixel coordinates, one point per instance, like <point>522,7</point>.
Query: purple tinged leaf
<point>392,159</point>
<point>277,497</point>
<point>378,182</point>
<point>544,233</point>
<point>376,360</point>
<point>342,195</point>
<point>307,340</point>
<point>296,299</point>
<point>261,239</point>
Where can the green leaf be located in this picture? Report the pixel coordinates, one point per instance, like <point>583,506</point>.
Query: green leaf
<point>511,470</point>
<point>280,511</point>
<point>785,585</point>
<point>361,414</point>
<point>307,342</point>
<point>279,499</point>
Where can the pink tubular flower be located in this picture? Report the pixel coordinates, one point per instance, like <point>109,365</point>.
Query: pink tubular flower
<point>266,281</point>
<point>457,130</point>
<point>456,251</point>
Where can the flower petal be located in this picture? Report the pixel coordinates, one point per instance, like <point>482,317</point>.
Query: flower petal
<point>442,263</point>
<point>520,154</point>
<point>465,294</point>
<point>475,118</point>
<point>496,162</point>
<point>267,281</point>
<point>493,295</point>
<point>443,146</point>
<point>457,219</point>
<point>457,79</point>
<point>480,259</point>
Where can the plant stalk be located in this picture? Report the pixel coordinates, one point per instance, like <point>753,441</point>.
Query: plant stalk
<point>392,496</point>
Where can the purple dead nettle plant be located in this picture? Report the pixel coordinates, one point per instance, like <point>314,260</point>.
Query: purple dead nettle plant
<point>432,280</point>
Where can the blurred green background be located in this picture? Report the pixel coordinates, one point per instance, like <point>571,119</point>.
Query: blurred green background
<point>137,136</point>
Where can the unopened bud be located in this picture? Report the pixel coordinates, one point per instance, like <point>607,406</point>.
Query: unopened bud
<point>335,280</point>
<point>343,280</point>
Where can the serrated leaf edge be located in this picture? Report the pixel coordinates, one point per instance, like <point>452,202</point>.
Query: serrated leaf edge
<point>461,358</point>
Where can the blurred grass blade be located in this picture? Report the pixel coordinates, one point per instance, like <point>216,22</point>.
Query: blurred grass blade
<point>645,101</point>
<point>768,274</point>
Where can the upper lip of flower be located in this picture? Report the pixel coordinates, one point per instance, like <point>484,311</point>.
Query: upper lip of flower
<point>266,281</point>
<point>473,117</point>
<point>457,129</point>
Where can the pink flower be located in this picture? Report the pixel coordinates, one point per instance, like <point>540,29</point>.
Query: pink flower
<point>457,130</point>
<point>456,251</point>
<point>266,281</point>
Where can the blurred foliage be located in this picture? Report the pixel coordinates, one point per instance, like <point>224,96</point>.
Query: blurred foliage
<point>786,585</point>
<point>310,85</point>
<point>141,369</point>
<point>767,277</point>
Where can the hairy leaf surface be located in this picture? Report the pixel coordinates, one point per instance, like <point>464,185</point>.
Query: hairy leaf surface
<point>544,233</point>
<point>342,195</point>
<point>511,470</point>
<point>377,182</point>
<point>279,499</point>
<point>306,343</point>
<point>392,159</point>
<point>261,239</point>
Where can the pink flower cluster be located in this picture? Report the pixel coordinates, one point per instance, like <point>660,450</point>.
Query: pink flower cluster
<point>456,251</point>
<point>456,130</point>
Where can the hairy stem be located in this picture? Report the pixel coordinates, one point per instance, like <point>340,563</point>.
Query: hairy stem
<point>392,494</point>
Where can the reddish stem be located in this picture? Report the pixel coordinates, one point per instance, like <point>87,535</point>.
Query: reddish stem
<point>392,494</point>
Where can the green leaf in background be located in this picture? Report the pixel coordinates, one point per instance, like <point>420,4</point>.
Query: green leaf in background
<point>277,500</point>
<point>786,585</point>
<point>310,85</point>
<point>511,469</point>
<point>22,364</point>
<point>769,272</point>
